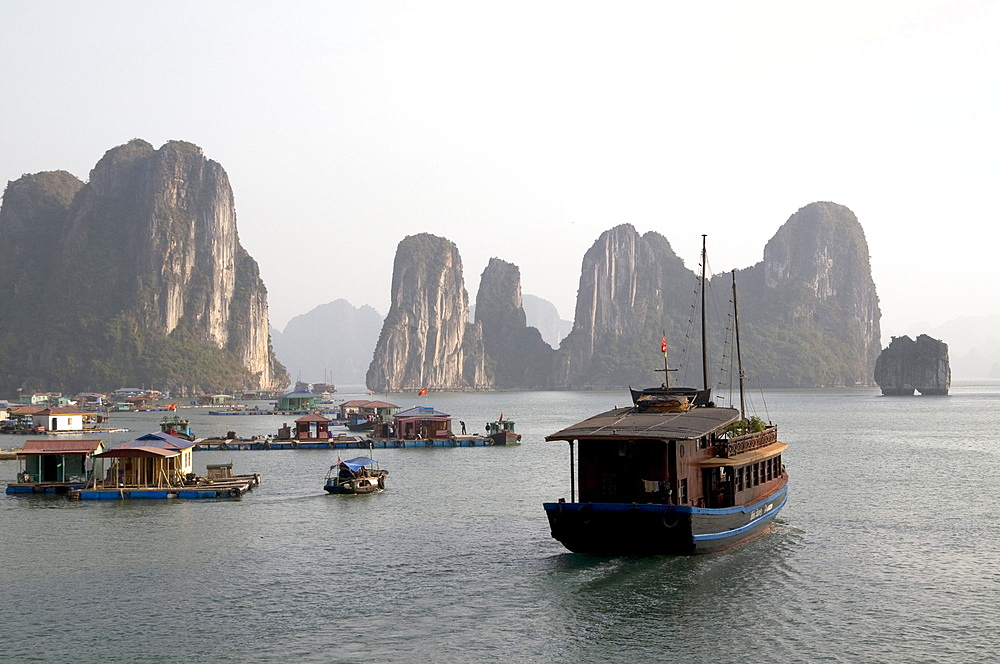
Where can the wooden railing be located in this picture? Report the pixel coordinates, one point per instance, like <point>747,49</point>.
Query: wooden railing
<point>752,441</point>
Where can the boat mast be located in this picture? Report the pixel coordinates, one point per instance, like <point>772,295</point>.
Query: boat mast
<point>739,356</point>
<point>704,348</point>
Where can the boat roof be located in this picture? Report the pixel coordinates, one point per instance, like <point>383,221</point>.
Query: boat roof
<point>357,463</point>
<point>621,423</point>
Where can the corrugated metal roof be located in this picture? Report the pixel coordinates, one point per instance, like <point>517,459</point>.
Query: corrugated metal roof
<point>421,412</point>
<point>313,417</point>
<point>162,441</point>
<point>59,446</point>
<point>622,423</point>
<point>139,451</point>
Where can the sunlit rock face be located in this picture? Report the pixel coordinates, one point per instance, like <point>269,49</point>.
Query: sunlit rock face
<point>628,283</point>
<point>516,355</point>
<point>818,265</point>
<point>148,257</point>
<point>906,366</point>
<point>426,339</point>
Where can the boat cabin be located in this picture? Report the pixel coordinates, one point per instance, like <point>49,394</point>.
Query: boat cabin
<point>422,422</point>
<point>54,465</point>
<point>684,457</point>
<point>177,426</point>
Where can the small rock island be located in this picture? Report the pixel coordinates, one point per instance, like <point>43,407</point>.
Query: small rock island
<point>907,366</point>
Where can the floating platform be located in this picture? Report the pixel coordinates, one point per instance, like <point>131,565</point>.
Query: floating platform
<point>273,412</point>
<point>60,488</point>
<point>341,442</point>
<point>231,487</point>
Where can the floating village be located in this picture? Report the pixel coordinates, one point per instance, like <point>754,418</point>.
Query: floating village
<point>69,458</point>
<point>674,473</point>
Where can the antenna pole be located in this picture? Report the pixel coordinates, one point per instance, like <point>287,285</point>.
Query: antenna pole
<point>739,356</point>
<point>704,347</point>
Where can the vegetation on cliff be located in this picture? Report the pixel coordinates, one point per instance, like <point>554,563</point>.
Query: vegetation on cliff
<point>137,279</point>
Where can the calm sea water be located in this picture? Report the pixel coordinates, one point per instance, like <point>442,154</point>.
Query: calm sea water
<point>886,552</point>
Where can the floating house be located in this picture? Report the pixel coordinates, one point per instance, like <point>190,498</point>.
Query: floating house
<point>312,427</point>
<point>377,409</point>
<point>56,466</point>
<point>159,465</point>
<point>153,460</point>
<point>215,399</point>
<point>422,422</point>
<point>298,401</point>
<point>66,418</point>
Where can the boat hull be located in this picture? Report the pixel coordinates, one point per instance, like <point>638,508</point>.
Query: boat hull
<point>652,529</point>
<point>356,486</point>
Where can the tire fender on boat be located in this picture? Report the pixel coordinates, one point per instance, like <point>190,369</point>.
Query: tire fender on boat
<point>586,515</point>
<point>670,519</point>
<point>397,443</point>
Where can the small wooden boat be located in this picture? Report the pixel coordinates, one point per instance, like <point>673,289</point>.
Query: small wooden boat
<point>357,475</point>
<point>501,432</point>
<point>356,422</point>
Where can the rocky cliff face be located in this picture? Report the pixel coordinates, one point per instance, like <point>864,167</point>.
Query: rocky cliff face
<point>628,284</point>
<point>811,303</point>
<point>147,263</point>
<point>426,339</point>
<point>516,355</point>
<point>907,365</point>
<point>809,311</point>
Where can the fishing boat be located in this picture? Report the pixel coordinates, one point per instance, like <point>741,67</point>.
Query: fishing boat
<point>177,426</point>
<point>671,474</point>
<point>360,422</point>
<point>501,432</point>
<point>357,475</point>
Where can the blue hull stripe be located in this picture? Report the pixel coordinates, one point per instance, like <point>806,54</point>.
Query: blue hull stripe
<point>735,532</point>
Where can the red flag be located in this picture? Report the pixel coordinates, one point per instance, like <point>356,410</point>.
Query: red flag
<point>172,406</point>
<point>663,344</point>
<point>422,392</point>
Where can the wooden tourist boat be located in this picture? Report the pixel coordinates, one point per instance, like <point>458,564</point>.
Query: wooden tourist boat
<point>357,475</point>
<point>672,474</point>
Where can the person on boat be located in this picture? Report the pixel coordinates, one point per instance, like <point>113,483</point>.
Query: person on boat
<point>463,426</point>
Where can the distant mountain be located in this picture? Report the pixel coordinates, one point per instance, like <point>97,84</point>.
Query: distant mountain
<point>543,316</point>
<point>973,345</point>
<point>136,277</point>
<point>516,355</point>
<point>332,343</point>
<point>809,315</point>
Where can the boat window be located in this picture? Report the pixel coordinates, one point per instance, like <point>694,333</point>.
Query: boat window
<point>756,474</point>
<point>739,479</point>
<point>682,491</point>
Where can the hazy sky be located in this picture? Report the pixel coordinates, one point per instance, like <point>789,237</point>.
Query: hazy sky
<point>525,129</point>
